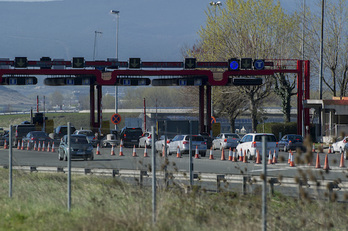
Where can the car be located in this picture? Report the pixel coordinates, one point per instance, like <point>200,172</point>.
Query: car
<point>90,136</point>
<point>145,140</point>
<point>346,151</point>
<point>130,136</point>
<point>225,140</point>
<point>291,142</point>
<point>61,131</point>
<point>80,148</point>
<point>207,138</point>
<point>339,145</point>
<point>252,142</point>
<point>182,142</point>
<point>21,130</point>
<point>110,140</point>
<point>35,137</point>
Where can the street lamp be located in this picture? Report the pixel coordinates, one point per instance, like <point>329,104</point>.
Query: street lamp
<point>95,42</point>
<point>117,13</point>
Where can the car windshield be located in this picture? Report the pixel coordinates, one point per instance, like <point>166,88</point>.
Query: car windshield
<point>87,133</point>
<point>39,134</point>
<point>269,138</point>
<point>195,138</point>
<point>231,136</point>
<point>78,140</point>
<point>298,138</point>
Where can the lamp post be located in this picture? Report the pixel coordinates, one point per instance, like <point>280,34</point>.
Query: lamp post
<point>117,14</point>
<point>95,42</point>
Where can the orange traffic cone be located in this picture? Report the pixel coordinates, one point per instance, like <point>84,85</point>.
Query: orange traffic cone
<point>28,146</point>
<point>39,147</point>
<point>145,152</point>
<point>121,149</point>
<point>134,152</point>
<point>270,157</point>
<point>48,147</point>
<point>53,149</point>
<point>112,150</point>
<point>178,154</point>
<point>163,151</point>
<point>5,145</point>
<point>211,157</point>
<point>326,163</point>
<point>234,159</point>
<point>258,158</point>
<point>223,154</point>
<point>313,148</point>
<point>274,161</point>
<point>292,163</point>
<point>98,150</point>
<point>35,147</point>
<point>43,146</point>
<point>230,155</point>
<point>245,159</point>
<point>329,151</point>
<point>342,161</point>
<point>18,145</point>
<point>289,159</point>
<point>197,153</point>
<point>22,147</point>
<point>317,162</point>
<point>241,155</point>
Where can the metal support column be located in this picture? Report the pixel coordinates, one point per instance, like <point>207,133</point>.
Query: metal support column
<point>208,106</point>
<point>307,93</point>
<point>201,108</point>
<point>92,107</point>
<point>99,105</point>
<point>299,97</point>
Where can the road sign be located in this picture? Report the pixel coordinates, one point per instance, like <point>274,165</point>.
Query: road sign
<point>213,120</point>
<point>70,81</point>
<point>78,62</point>
<point>259,64</point>
<point>116,118</point>
<point>246,63</point>
<point>21,62</point>
<point>190,63</point>
<point>134,63</point>
<point>182,82</point>
<point>233,64</point>
<point>127,82</point>
<point>12,81</point>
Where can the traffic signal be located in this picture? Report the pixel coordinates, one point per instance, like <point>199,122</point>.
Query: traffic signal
<point>246,81</point>
<point>233,64</point>
<point>190,63</point>
<point>134,63</point>
<point>246,63</point>
<point>21,62</point>
<point>43,64</point>
<point>78,62</point>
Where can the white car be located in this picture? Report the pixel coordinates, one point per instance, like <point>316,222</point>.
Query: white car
<point>182,141</point>
<point>145,140</point>
<point>159,144</point>
<point>339,145</point>
<point>90,136</point>
<point>226,140</point>
<point>253,141</point>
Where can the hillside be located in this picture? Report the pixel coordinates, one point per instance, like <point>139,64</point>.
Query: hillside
<point>12,97</point>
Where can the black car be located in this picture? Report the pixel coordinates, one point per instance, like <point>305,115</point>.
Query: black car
<point>35,137</point>
<point>62,130</point>
<point>80,148</point>
<point>130,136</point>
<point>291,142</point>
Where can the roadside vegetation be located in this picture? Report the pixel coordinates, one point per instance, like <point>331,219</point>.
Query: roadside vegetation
<point>39,202</point>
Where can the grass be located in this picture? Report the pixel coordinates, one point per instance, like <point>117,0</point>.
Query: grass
<point>39,202</point>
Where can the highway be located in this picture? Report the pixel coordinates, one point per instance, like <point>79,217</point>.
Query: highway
<point>207,169</point>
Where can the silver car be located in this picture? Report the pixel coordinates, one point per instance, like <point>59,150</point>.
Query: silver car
<point>145,140</point>
<point>226,140</point>
<point>182,142</point>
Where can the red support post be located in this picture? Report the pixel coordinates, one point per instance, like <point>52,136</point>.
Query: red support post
<point>299,97</point>
<point>201,108</point>
<point>307,93</point>
<point>99,109</point>
<point>208,106</point>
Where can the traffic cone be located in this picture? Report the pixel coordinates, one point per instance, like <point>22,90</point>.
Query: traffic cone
<point>48,147</point>
<point>329,151</point>
<point>22,147</point>
<point>121,149</point>
<point>270,157</point>
<point>230,155</point>
<point>241,155</point>
<point>98,150</point>
<point>342,161</point>
<point>274,161</point>
<point>18,145</point>
<point>313,148</point>
<point>28,146</point>
<point>53,149</point>
<point>197,153</point>
<point>289,159</point>
<point>178,154</point>
<point>163,151</point>
<point>5,145</point>
<point>145,152</point>
<point>35,147</point>
<point>39,147</point>
<point>134,152</point>
<point>43,146</point>
<point>258,158</point>
<point>317,162</point>
<point>112,150</point>
<point>245,159</point>
<point>211,157</point>
<point>326,163</point>
<point>292,163</point>
<point>223,154</point>
<point>234,159</point>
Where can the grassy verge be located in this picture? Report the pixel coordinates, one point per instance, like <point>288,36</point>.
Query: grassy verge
<point>39,202</point>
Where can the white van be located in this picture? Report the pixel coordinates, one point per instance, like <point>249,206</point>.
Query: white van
<point>253,141</point>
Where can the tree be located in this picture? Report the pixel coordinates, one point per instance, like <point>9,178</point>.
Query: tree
<point>56,98</point>
<point>252,28</point>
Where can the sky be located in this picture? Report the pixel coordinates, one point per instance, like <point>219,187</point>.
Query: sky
<point>153,30</point>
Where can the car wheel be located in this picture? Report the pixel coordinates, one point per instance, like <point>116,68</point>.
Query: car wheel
<point>65,157</point>
<point>221,147</point>
<point>59,156</point>
<point>285,149</point>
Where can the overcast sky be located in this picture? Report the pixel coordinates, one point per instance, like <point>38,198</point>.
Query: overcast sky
<point>154,30</point>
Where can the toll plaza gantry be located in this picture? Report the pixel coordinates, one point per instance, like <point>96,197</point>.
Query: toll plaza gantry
<point>95,74</point>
